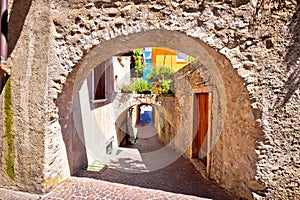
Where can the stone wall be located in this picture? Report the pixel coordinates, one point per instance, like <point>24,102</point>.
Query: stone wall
<point>261,41</point>
<point>167,119</point>
<point>234,154</point>
<point>254,39</point>
<point>232,160</point>
<point>39,149</point>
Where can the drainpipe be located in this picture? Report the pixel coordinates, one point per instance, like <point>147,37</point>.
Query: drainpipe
<point>3,37</point>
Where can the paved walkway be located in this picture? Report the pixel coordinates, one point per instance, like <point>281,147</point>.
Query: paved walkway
<point>86,188</point>
<point>179,176</point>
<point>178,180</point>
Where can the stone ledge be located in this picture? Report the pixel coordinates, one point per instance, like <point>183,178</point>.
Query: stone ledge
<point>95,101</point>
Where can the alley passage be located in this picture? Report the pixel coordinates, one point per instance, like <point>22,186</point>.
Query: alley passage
<point>178,177</point>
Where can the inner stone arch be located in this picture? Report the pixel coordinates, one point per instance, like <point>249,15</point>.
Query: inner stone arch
<point>228,121</point>
<point>169,39</point>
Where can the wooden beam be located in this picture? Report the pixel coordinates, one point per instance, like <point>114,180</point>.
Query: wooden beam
<point>202,89</point>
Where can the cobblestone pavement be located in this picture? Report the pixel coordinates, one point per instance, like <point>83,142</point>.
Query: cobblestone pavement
<point>93,189</point>
<point>179,180</point>
<point>90,189</point>
<point>177,177</point>
<point>10,194</point>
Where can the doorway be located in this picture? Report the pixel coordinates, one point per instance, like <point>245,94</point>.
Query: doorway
<point>202,142</point>
<point>202,118</point>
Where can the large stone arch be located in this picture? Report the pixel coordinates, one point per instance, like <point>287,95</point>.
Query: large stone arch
<point>262,51</point>
<point>233,129</point>
<point>170,39</point>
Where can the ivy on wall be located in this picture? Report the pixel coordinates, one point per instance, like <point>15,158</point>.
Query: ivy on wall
<point>9,155</point>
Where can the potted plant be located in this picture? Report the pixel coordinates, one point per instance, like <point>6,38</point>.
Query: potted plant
<point>156,87</point>
<point>165,86</point>
<point>140,85</point>
<point>162,78</point>
<point>126,88</point>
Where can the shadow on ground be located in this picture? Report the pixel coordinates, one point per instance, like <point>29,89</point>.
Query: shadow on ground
<point>178,177</point>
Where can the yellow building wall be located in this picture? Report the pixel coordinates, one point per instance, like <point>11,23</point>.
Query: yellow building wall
<point>169,61</point>
<point>166,57</point>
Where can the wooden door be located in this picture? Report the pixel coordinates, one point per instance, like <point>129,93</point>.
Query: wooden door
<point>203,119</point>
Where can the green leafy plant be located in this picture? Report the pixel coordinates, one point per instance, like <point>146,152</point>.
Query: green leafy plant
<point>163,76</point>
<point>126,89</point>
<point>140,85</point>
<point>139,65</point>
<point>158,73</point>
<point>165,86</point>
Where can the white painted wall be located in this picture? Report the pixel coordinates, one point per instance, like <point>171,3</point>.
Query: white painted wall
<point>122,71</point>
<point>98,126</point>
<point>98,129</point>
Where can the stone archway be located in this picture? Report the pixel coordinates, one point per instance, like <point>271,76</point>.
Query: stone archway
<point>52,43</point>
<point>233,124</point>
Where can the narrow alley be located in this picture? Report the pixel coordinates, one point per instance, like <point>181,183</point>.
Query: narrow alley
<point>177,177</point>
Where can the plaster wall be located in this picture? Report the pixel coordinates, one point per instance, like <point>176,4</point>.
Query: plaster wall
<point>122,71</point>
<point>98,127</point>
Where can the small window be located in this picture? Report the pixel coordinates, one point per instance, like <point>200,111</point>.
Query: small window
<point>181,57</point>
<point>99,81</point>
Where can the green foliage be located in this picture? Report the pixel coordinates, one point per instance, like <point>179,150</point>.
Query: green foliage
<point>140,85</point>
<point>165,86</point>
<point>139,66</point>
<point>9,155</point>
<point>159,73</point>
<point>162,75</point>
<point>126,89</point>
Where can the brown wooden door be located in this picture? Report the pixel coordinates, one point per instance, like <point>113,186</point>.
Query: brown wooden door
<point>202,100</point>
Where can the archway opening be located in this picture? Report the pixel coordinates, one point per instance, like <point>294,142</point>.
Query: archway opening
<point>145,115</point>
<point>150,75</point>
<point>140,128</point>
<point>214,76</point>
